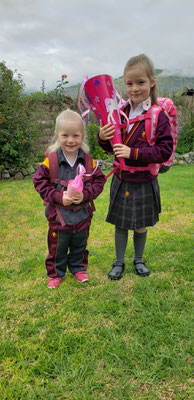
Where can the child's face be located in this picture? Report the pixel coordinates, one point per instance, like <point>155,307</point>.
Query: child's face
<point>70,136</point>
<point>138,84</point>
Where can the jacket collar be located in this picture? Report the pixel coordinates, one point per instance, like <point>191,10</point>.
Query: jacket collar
<point>62,159</point>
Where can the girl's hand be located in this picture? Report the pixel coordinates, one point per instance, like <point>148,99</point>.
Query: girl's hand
<point>106,131</point>
<point>66,200</point>
<point>121,150</point>
<point>78,198</point>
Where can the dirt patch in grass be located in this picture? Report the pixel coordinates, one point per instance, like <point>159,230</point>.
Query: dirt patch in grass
<point>176,224</point>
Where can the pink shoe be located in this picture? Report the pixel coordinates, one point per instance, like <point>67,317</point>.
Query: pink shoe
<point>81,276</point>
<point>54,282</point>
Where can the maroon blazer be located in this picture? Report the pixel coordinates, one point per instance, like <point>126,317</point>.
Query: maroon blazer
<point>142,153</point>
<point>75,220</point>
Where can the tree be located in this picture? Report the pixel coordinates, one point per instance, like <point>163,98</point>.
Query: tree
<point>16,128</point>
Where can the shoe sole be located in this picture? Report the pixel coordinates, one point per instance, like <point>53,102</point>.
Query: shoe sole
<point>53,287</point>
<point>146,274</point>
<point>114,279</point>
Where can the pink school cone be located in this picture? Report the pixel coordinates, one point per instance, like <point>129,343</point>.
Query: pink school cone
<point>101,94</point>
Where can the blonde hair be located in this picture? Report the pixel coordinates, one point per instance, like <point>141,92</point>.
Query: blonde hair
<point>149,69</point>
<point>61,119</point>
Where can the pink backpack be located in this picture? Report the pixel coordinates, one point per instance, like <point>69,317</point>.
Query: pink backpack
<point>151,122</point>
<point>167,105</point>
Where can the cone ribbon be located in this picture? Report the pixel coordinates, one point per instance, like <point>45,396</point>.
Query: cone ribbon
<point>101,94</point>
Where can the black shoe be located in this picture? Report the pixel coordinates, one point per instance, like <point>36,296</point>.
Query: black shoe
<point>116,271</point>
<point>140,268</point>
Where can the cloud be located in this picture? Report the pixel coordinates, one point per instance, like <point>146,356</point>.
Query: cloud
<point>43,39</point>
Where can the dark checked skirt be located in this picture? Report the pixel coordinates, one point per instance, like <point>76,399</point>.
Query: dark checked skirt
<point>134,205</point>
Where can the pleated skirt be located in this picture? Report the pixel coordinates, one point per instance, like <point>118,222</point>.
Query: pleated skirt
<point>134,205</point>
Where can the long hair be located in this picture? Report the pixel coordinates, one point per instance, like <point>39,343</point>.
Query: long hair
<point>145,61</point>
<point>61,119</point>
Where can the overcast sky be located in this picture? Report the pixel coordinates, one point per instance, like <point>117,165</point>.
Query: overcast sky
<point>44,39</point>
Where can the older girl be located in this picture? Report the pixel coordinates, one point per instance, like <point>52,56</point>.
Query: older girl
<point>135,197</point>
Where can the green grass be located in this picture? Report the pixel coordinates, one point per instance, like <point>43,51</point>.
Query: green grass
<point>103,340</point>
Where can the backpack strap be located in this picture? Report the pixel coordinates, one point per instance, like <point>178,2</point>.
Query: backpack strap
<point>88,167</point>
<point>71,207</point>
<point>151,167</point>
<point>151,122</point>
<point>53,166</point>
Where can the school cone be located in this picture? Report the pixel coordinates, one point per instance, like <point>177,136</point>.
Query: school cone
<point>101,95</point>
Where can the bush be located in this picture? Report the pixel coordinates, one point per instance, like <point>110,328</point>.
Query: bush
<point>186,136</point>
<point>95,150</point>
<point>34,99</point>
<point>16,129</point>
<point>186,123</point>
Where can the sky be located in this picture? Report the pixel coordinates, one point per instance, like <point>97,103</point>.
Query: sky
<point>44,39</point>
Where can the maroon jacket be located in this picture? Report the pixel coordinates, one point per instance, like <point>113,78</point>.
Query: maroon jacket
<point>75,219</point>
<point>142,153</point>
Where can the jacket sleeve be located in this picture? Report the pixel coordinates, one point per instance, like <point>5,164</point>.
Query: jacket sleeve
<point>163,147</point>
<point>92,190</point>
<point>42,184</point>
<point>105,144</point>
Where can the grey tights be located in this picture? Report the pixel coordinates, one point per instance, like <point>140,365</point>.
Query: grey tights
<point>121,239</point>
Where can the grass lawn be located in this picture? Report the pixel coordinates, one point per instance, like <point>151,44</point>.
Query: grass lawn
<point>102,340</point>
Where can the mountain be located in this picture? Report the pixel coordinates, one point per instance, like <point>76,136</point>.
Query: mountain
<point>167,83</point>
<point>72,91</point>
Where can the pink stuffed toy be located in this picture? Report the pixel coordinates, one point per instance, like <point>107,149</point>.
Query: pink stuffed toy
<point>75,185</point>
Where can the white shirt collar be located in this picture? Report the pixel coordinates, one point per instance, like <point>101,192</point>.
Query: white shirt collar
<point>143,106</point>
<point>69,161</point>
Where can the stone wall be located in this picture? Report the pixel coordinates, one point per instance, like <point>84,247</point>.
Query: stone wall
<point>12,174</point>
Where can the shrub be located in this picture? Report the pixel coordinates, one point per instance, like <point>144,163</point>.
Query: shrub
<point>35,98</point>
<point>16,129</point>
<point>186,136</point>
<point>95,150</point>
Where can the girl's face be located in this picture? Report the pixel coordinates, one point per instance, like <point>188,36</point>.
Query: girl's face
<point>138,84</point>
<point>70,136</point>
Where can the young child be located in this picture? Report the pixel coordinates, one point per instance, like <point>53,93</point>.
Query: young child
<point>67,240</point>
<point>135,197</point>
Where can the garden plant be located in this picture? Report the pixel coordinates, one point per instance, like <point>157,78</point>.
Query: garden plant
<point>17,132</point>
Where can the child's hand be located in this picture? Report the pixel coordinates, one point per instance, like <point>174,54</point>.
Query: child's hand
<point>66,200</point>
<point>106,131</point>
<point>121,150</point>
<point>78,198</point>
